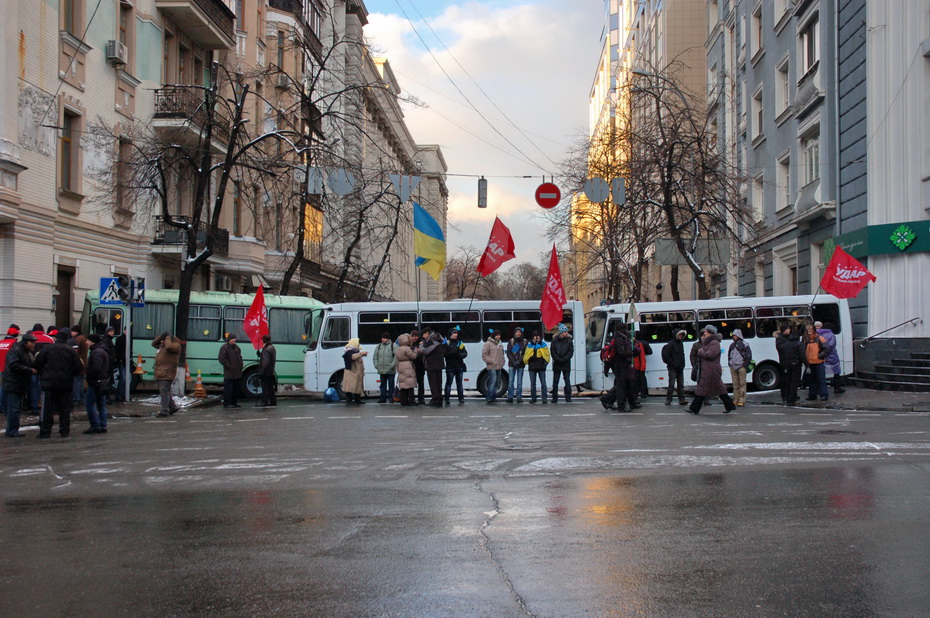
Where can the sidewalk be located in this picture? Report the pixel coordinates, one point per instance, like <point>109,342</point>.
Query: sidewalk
<point>853,399</point>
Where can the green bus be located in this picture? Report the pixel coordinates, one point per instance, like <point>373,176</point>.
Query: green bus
<point>291,321</point>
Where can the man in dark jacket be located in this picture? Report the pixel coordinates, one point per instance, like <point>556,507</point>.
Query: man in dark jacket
<point>433,351</point>
<point>455,365</point>
<point>516,349</point>
<point>230,358</point>
<point>673,355</point>
<point>562,350</point>
<point>17,379</point>
<point>788,344</point>
<point>624,389</point>
<point>266,364</point>
<point>98,382</point>
<point>57,364</point>
<point>419,366</point>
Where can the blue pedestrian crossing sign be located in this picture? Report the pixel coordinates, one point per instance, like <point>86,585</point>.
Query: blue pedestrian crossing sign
<point>109,291</point>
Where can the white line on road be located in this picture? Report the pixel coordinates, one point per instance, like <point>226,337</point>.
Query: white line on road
<point>486,416</point>
<point>437,416</point>
<point>342,417</point>
<point>532,416</point>
<point>250,420</point>
<point>298,418</point>
<point>392,416</point>
<point>586,414</point>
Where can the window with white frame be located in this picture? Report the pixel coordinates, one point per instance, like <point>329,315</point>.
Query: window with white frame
<point>757,113</point>
<point>783,182</point>
<point>782,88</point>
<point>810,148</point>
<point>785,269</point>
<point>810,43</point>
<point>758,197</point>
<point>756,32</point>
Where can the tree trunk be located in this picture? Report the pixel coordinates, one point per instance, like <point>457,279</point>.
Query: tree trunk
<point>298,252</point>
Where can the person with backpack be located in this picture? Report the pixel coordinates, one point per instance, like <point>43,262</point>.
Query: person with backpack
<point>618,355</point>
<point>643,349</point>
<point>739,355</point>
<point>385,362</point>
<point>536,358</point>
<point>673,355</point>
<point>353,378</point>
<point>455,365</point>
<point>815,351</point>
<point>562,352</point>
<point>516,348</point>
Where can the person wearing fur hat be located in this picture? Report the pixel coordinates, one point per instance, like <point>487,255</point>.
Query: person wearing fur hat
<point>739,355</point>
<point>710,383</point>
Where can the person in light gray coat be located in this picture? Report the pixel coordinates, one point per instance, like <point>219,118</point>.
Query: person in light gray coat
<point>385,361</point>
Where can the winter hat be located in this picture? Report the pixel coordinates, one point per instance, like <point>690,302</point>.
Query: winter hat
<point>738,333</point>
<point>64,333</point>
<point>230,336</point>
<point>563,328</point>
<point>29,337</point>
<point>353,343</point>
<point>711,329</point>
<point>38,327</point>
<point>95,337</point>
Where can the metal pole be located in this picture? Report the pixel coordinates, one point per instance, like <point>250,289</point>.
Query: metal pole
<point>127,330</point>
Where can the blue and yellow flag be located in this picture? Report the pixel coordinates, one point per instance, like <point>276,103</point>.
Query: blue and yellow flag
<point>429,244</point>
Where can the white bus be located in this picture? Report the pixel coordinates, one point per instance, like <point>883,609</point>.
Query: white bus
<point>336,324</point>
<point>758,318</point>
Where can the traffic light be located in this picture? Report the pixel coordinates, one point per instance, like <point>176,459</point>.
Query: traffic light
<point>482,192</point>
<point>123,291</point>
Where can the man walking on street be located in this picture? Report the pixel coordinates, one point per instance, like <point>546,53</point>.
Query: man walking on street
<point>98,383</point>
<point>57,364</point>
<point>230,358</point>
<point>266,365</point>
<point>166,370</point>
<point>739,355</point>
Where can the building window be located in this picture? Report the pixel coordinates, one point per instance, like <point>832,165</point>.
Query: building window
<point>280,50</point>
<point>810,146</point>
<point>756,33</point>
<point>71,22</point>
<point>757,114</point>
<point>69,151</point>
<point>240,14</point>
<point>237,211</point>
<point>810,39</point>
<point>782,89</point>
<point>758,197</point>
<point>783,182</point>
<point>785,269</point>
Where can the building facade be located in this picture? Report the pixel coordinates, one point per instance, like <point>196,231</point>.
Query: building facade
<point>80,78</point>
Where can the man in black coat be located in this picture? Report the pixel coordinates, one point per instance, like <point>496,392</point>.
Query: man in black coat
<point>624,389</point>
<point>562,350</point>
<point>230,358</point>
<point>57,364</point>
<point>17,379</point>
<point>98,385</point>
<point>788,344</point>
<point>673,355</point>
<point>267,359</point>
<point>433,351</point>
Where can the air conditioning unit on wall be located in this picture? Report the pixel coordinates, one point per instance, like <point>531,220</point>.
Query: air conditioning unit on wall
<point>223,283</point>
<point>117,53</point>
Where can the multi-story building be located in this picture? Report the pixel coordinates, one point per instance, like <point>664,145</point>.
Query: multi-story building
<point>79,78</point>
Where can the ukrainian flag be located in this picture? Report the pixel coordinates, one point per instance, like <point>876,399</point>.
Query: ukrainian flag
<point>429,244</point>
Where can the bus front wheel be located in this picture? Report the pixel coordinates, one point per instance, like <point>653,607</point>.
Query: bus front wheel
<point>251,384</point>
<point>501,388</point>
<point>335,381</point>
<point>766,377</point>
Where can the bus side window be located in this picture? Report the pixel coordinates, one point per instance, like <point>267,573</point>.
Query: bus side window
<point>828,313</point>
<point>336,333</point>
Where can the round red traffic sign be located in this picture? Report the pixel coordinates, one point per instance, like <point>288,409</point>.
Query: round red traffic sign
<point>548,195</point>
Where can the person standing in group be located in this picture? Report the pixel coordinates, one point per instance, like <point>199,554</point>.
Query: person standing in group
<point>739,355</point>
<point>832,361</point>
<point>788,345</point>
<point>492,353</point>
<point>406,371</point>
<point>6,344</point>
<point>98,384</point>
<point>230,357</point>
<point>35,389</point>
<point>643,349</point>
<point>57,365</point>
<point>710,383</point>
<point>82,345</point>
<point>455,365</point>
<point>166,370</point>
<point>536,358</point>
<point>623,392</point>
<point>353,378</point>
<point>433,351</point>
<point>385,363</point>
<point>419,365</point>
<point>122,371</point>
<point>815,351</point>
<point>673,355</point>
<point>17,380</point>
<point>516,348</point>
<point>267,359</point>
<point>563,349</point>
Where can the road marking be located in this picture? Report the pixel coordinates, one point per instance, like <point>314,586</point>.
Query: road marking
<point>532,416</point>
<point>250,420</point>
<point>768,413</point>
<point>342,417</point>
<point>437,416</point>
<point>486,416</point>
<point>862,414</point>
<point>586,414</point>
<point>392,416</point>
<point>298,418</point>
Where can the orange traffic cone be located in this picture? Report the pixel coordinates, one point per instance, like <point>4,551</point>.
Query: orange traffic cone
<point>139,370</point>
<point>199,391</point>
<point>187,372</point>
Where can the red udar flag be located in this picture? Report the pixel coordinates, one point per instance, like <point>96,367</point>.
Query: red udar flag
<point>553,294</point>
<point>499,249</point>
<point>845,275</point>
<point>256,319</point>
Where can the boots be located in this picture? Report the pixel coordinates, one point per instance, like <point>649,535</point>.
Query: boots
<point>838,384</point>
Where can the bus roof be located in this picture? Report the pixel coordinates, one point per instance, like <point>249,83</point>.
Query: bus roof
<point>443,305</point>
<point>728,302</point>
<point>222,298</point>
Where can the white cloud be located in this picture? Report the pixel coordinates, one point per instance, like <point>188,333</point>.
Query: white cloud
<point>536,61</point>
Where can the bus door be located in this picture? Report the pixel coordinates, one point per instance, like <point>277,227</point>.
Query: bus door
<point>323,363</point>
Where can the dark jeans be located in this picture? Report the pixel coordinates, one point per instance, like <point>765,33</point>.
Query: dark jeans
<point>387,387</point>
<point>435,386</point>
<point>406,397</point>
<point>698,402</point>
<point>421,375</point>
<point>95,403</point>
<point>492,383</point>
<point>642,384</point>
<point>56,402</point>
<point>231,391</point>
<point>790,379</point>
<point>675,377</point>
<point>818,382</point>
<point>35,394</point>
<point>268,395</point>
<point>541,376</point>
<point>456,375</point>
<point>12,404</point>
<point>561,373</point>
<point>623,392</point>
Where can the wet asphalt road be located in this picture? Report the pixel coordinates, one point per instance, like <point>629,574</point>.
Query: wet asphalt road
<point>316,509</point>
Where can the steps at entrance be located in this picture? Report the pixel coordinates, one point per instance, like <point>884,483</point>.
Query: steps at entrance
<point>902,374</point>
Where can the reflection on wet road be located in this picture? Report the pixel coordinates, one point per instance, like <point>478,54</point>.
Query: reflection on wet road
<point>312,512</point>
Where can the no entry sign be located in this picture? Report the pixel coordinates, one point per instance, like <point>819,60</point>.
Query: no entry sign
<point>548,195</point>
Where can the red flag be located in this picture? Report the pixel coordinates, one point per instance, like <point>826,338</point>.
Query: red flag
<point>499,249</point>
<point>553,294</point>
<point>256,319</point>
<point>845,275</point>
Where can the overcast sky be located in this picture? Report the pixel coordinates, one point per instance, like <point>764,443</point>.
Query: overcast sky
<point>535,62</point>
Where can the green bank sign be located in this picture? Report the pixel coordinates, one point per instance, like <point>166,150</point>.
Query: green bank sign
<point>890,238</point>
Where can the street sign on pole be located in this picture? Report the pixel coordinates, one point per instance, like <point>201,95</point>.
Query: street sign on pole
<point>109,291</point>
<point>618,189</point>
<point>596,190</point>
<point>548,195</point>
<point>404,185</point>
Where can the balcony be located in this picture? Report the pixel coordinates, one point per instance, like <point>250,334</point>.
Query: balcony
<point>180,110</point>
<point>171,239</point>
<point>208,22</point>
